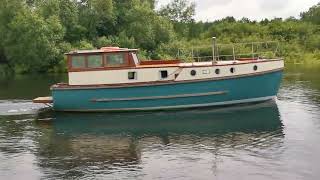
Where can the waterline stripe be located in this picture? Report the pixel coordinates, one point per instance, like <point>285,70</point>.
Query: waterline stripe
<point>161,97</point>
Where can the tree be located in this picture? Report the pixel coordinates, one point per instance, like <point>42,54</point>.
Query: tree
<point>67,11</point>
<point>179,11</point>
<point>313,15</point>
<point>97,17</point>
<point>31,43</point>
<point>228,19</point>
<point>8,10</point>
<point>146,27</point>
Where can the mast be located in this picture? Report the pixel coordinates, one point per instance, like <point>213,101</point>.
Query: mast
<point>213,49</point>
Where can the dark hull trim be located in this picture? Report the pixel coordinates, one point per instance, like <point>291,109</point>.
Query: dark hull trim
<point>156,83</point>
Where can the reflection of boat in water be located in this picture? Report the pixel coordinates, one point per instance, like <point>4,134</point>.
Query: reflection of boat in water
<point>258,117</point>
<point>123,139</point>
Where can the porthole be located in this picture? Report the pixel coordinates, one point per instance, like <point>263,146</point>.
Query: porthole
<point>255,67</point>
<point>193,72</point>
<point>217,71</point>
<point>232,70</point>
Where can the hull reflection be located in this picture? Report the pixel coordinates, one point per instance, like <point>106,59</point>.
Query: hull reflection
<point>258,117</point>
<point>120,140</point>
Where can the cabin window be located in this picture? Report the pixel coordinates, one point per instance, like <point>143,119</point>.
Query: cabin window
<point>115,59</point>
<point>217,71</point>
<point>255,67</point>
<point>164,74</point>
<point>132,75</point>
<point>78,62</point>
<point>94,61</point>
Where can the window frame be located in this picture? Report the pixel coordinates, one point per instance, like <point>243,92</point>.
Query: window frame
<point>87,61</point>
<point>125,60</point>
<point>77,55</point>
<point>126,54</point>
<point>135,75</point>
<point>160,74</point>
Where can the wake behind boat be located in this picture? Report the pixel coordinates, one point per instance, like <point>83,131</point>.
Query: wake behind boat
<point>114,79</point>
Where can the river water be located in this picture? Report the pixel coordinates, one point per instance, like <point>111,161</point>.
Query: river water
<point>278,139</point>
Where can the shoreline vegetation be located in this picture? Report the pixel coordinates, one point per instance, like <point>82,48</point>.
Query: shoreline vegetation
<point>35,34</point>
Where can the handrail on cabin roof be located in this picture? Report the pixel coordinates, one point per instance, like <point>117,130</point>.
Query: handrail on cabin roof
<point>101,50</point>
<point>255,50</point>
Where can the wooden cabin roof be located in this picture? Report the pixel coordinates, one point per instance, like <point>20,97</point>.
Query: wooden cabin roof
<point>102,50</point>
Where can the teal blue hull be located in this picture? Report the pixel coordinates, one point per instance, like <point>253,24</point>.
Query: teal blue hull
<point>170,96</point>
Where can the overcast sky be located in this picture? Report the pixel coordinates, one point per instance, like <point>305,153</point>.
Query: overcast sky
<point>209,10</point>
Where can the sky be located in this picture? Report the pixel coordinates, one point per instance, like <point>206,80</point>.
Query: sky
<point>210,10</point>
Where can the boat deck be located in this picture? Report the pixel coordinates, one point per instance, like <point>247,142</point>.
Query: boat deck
<point>154,64</point>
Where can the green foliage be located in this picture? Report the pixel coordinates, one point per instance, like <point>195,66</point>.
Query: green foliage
<point>35,34</point>
<point>32,42</point>
<point>103,42</point>
<point>313,42</point>
<point>179,11</point>
<point>312,15</point>
<point>84,45</point>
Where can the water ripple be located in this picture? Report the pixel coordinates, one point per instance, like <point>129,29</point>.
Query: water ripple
<point>18,107</point>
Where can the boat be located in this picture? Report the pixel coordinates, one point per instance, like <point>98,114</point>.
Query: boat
<point>115,79</point>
